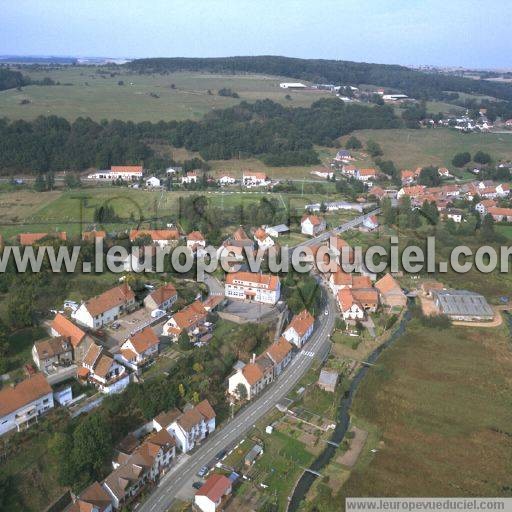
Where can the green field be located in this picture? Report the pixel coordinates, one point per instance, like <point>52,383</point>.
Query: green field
<point>418,148</point>
<point>100,97</point>
<point>442,403</point>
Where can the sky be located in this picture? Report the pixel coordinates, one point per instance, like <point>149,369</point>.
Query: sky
<point>466,33</point>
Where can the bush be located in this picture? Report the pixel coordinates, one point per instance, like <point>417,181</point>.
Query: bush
<point>461,159</point>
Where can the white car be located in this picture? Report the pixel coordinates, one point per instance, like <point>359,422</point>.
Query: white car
<point>326,312</point>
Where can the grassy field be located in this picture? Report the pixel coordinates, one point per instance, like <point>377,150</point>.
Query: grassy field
<point>142,97</point>
<point>418,148</point>
<point>441,400</point>
<point>72,211</point>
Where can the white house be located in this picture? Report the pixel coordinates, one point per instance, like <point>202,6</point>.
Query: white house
<point>371,222</point>
<point>251,286</point>
<point>292,85</point>
<point>50,353</point>
<point>255,179</point>
<point>211,495</point>
<point>226,179</point>
<point>300,328</point>
<point>349,307</point>
<point>195,241</point>
<point>153,182</point>
<point>190,177</point>
<point>263,239</point>
<point>105,308</point>
<point>312,225</point>
<point>365,174</point>
<point>161,298</point>
<point>139,349</point>
<point>484,205</point>
<point>194,425</point>
<point>455,215</point>
<point>160,237</point>
<point>124,172</point>
<point>101,369</point>
<point>23,404</point>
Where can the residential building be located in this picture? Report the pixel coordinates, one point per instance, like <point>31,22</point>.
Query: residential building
<point>349,307</point>
<point>367,297</point>
<point>483,206</point>
<point>162,298</point>
<point>265,288</point>
<point>123,172</point>
<point>280,353</point>
<point>147,463</point>
<point>463,305</point>
<point>22,404</point>
<point>213,494</point>
<point>276,231</point>
<point>139,349</point>
<point>455,215</point>
<point>160,237</point>
<point>190,319</point>
<point>153,182</point>
<point>371,223</point>
<point>195,241</point>
<point>390,292</point>
<point>312,225</point>
<point>263,239</point>
<point>366,175</point>
<point>190,177</point>
<point>349,171</point>
<point>92,499</point>
<point>105,308</point>
<point>292,85</point>
<point>254,179</point>
<point>300,328</point>
<point>500,214</point>
<point>343,155</point>
<point>32,238</point>
<point>226,179</point>
<point>193,426</point>
<point>101,369</point>
<point>50,353</point>
<point>328,380</point>
<point>80,341</point>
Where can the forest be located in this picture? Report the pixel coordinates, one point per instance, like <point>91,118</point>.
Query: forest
<point>417,84</point>
<point>264,129</point>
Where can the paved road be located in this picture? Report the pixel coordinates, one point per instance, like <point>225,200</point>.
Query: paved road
<point>183,475</point>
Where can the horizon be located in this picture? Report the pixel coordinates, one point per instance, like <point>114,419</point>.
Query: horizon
<point>410,34</point>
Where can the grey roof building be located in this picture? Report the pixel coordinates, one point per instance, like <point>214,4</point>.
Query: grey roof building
<point>328,380</point>
<point>463,305</point>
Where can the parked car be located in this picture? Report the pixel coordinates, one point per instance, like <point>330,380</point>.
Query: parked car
<point>202,472</point>
<point>197,485</point>
<point>220,455</point>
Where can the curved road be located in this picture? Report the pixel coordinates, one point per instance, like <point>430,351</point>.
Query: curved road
<point>183,474</point>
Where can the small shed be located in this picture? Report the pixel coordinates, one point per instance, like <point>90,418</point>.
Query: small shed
<point>253,454</point>
<point>328,380</point>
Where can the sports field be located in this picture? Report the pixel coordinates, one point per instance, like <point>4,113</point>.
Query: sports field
<point>142,97</point>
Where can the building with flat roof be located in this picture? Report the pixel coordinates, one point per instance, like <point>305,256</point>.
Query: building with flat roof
<point>463,305</point>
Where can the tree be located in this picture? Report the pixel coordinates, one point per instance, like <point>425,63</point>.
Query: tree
<point>461,159</point>
<point>374,148</point>
<point>184,341</point>
<point>487,228</point>
<point>388,212</point>
<point>241,391</point>
<point>482,158</point>
<point>429,176</point>
<point>50,180</point>
<point>353,143</point>
<point>72,180</point>
<point>40,183</point>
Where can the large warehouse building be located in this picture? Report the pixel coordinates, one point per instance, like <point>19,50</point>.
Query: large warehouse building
<point>463,305</point>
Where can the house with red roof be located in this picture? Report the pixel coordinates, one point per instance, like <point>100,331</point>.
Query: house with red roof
<point>263,239</point>
<point>92,499</point>
<point>32,238</point>
<point>254,179</point>
<point>191,319</point>
<point>22,404</point>
<point>254,287</point>
<point>65,328</point>
<point>161,298</point>
<point>312,225</point>
<point>213,494</point>
<point>350,308</point>
<point>160,237</point>
<point>300,328</point>
<point>123,172</point>
<point>139,349</point>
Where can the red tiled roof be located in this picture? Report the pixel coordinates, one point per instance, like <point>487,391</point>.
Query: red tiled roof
<point>278,351</point>
<point>206,410</point>
<point>387,284</point>
<point>28,390</point>
<point>302,322</point>
<point>126,168</point>
<point>215,487</point>
<point>252,373</point>
<point>68,329</point>
<point>190,315</point>
<point>494,210</point>
<point>32,238</point>
<point>144,340</point>
<point>90,236</point>
<point>155,234</point>
<point>267,281</point>
<point>109,299</point>
<point>160,295</point>
<point>314,219</point>
<point>196,236</point>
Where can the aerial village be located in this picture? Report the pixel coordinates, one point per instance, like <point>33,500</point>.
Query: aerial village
<point>100,346</point>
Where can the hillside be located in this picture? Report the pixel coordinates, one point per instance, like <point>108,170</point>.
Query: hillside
<point>414,83</point>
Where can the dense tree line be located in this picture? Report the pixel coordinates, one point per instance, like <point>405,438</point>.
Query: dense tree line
<point>264,129</point>
<point>416,84</point>
<point>10,79</point>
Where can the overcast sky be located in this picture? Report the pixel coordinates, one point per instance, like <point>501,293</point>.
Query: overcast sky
<point>470,33</point>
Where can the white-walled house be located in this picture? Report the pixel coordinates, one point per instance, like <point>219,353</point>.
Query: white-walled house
<point>105,308</point>
<point>190,177</point>
<point>103,371</point>
<point>254,179</point>
<point>300,328</point>
<point>160,237</point>
<point>161,298</point>
<point>312,225</point>
<point>350,308</point>
<point>153,182</point>
<point>139,349</point>
<point>263,239</point>
<point>212,494</point>
<point>193,425</point>
<point>51,353</point>
<point>265,288</point>
<point>23,404</point>
<point>226,179</point>
<point>195,241</point>
<point>124,172</point>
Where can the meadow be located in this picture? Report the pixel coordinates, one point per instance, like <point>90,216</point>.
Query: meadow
<point>84,92</point>
<point>441,403</point>
<point>409,148</point>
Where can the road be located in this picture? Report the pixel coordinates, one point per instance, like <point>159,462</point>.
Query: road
<point>182,476</point>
